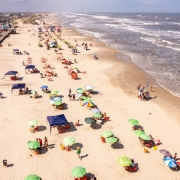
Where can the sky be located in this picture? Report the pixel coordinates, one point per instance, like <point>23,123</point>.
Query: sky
<point>90,6</point>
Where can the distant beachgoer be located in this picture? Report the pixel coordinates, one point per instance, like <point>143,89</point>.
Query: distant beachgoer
<point>40,141</point>
<point>77,123</point>
<point>74,97</point>
<point>69,91</point>
<point>79,152</point>
<point>175,156</point>
<point>70,97</point>
<point>45,142</point>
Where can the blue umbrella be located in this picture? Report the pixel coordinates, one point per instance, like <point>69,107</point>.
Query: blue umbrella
<point>54,43</point>
<point>44,87</point>
<point>170,162</point>
<point>95,110</point>
<point>57,99</point>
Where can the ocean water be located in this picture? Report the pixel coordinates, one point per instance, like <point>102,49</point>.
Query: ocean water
<point>151,40</point>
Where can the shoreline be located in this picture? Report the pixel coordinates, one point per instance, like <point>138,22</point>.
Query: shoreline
<point>164,98</point>
<point>117,97</point>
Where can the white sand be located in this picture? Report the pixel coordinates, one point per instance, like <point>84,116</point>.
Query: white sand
<point>101,159</point>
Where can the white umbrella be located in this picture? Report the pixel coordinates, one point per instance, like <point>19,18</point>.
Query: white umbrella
<point>52,102</point>
<point>89,87</point>
<point>95,110</point>
<point>78,95</point>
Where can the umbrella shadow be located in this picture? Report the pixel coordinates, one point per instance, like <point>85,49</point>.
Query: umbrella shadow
<point>43,150</point>
<point>96,126</point>
<point>117,145</point>
<point>90,175</point>
<point>75,145</point>
<point>42,128</point>
<point>20,78</point>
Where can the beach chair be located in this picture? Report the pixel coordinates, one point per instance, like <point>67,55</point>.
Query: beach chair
<point>148,145</point>
<point>146,151</point>
<point>62,146</point>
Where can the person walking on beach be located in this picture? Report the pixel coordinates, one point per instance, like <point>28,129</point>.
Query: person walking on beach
<point>45,142</point>
<point>74,97</point>
<point>70,97</point>
<point>79,152</point>
<point>69,91</point>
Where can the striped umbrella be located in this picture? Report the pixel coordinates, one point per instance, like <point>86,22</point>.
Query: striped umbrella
<point>170,162</point>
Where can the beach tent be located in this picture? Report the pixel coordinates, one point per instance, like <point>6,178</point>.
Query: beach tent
<point>57,120</point>
<point>30,67</point>
<point>18,86</point>
<point>54,42</point>
<point>11,73</point>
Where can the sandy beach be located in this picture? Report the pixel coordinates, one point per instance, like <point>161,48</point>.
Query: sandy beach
<point>115,79</point>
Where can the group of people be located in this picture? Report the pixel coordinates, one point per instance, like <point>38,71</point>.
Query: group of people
<point>142,93</point>
<point>21,91</point>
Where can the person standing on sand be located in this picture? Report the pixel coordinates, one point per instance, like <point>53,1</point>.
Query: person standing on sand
<point>40,141</point>
<point>79,152</point>
<point>45,142</point>
<point>69,91</point>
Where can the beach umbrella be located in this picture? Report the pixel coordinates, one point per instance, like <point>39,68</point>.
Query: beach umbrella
<point>145,137</point>
<point>95,110</point>
<point>170,162</point>
<point>111,140</point>
<point>56,99</point>
<point>80,91</point>
<point>78,95</point>
<point>33,122</point>
<point>87,100</point>
<point>51,101</point>
<point>89,104</point>
<point>133,121</point>
<point>138,132</point>
<point>69,141</point>
<point>90,120</point>
<point>54,92</point>
<point>33,92</point>
<point>78,171</point>
<point>44,87</point>
<point>97,115</point>
<point>32,177</point>
<point>76,68</point>
<point>165,152</point>
<point>57,103</point>
<point>124,161</point>
<point>89,88</point>
<point>83,97</point>
<point>33,144</point>
<point>107,134</point>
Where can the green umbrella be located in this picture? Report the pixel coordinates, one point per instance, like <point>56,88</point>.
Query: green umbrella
<point>124,161</point>
<point>87,100</point>
<point>33,92</point>
<point>80,91</point>
<point>106,134</point>
<point>133,121</point>
<point>54,92</point>
<point>97,115</point>
<point>57,103</point>
<point>90,120</point>
<point>33,122</point>
<point>138,132</point>
<point>32,177</point>
<point>69,141</point>
<point>111,140</point>
<point>145,137</point>
<point>84,97</point>
<point>78,171</point>
<point>76,68</point>
<point>33,144</point>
